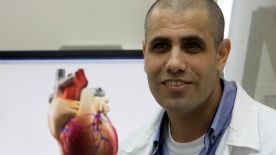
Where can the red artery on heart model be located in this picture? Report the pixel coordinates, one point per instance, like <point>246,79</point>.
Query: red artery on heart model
<point>73,90</point>
<point>89,133</point>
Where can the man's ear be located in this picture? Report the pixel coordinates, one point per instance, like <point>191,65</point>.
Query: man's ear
<point>222,54</point>
<point>144,47</point>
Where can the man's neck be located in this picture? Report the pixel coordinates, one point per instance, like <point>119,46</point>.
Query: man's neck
<point>192,125</point>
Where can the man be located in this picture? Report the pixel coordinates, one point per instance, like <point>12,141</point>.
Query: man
<point>184,54</point>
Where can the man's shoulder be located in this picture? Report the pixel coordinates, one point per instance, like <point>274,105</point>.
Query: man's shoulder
<point>266,120</point>
<point>247,108</point>
<point>258,133</point>
<point>251,104</point>
<point>252,125</point>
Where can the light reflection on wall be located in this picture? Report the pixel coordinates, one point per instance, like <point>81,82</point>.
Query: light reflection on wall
<point>260,66</point>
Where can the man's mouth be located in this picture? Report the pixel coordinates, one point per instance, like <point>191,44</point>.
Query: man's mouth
<point>175,83</point>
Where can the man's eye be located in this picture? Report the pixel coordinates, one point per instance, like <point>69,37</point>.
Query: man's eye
<point>160,47</point>
<point>193,47</point>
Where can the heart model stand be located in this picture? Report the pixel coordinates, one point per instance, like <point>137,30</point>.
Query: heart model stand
<point>90,132</point>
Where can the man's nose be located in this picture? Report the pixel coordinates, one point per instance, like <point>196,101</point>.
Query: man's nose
<point>176,62</point>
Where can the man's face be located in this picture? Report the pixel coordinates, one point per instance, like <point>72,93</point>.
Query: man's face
<point>181,60</point>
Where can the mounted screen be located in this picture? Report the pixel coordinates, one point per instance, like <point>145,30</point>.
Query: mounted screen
<point>27,79</point>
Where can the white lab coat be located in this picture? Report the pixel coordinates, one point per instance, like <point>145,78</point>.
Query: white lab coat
<point>252,131</point>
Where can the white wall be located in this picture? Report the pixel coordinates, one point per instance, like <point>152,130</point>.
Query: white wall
<point>50,24</point>
<point>252,59</point>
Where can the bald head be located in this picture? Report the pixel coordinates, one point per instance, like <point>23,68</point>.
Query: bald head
<point>216,19</point>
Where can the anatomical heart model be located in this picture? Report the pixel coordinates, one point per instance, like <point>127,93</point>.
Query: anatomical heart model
<point>78,117</point>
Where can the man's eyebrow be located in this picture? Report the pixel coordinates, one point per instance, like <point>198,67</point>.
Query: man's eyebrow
<point>194,38</point>
<point>159,39</point>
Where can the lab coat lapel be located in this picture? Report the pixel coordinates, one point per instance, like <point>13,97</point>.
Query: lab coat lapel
<point>243,130</point>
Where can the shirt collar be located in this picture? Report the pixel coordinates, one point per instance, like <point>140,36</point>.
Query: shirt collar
<point>158,137</point>
<point>224,110</point>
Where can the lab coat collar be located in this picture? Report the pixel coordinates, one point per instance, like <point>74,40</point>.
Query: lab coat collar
<point>244,131</point>
<point>147,134</point>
